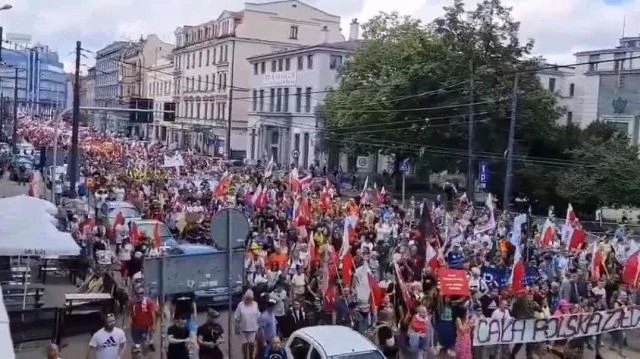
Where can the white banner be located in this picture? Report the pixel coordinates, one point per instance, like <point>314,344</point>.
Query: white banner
<point>173,161</point>
<point>501,331</point>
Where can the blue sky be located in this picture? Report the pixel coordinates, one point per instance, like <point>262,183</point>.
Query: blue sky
<point>560,27</point>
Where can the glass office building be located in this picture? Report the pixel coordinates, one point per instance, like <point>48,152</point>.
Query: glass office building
<point>41,78</point>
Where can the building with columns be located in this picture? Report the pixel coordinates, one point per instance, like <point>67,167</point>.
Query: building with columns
<point>213,78</point>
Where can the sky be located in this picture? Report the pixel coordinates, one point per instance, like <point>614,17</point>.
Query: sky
<point>559,27</point>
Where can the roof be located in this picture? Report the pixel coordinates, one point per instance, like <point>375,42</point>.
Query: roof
<point>342,46</point>
<point>119,204</point>
<point>147,221</point>
<point>350,340</point>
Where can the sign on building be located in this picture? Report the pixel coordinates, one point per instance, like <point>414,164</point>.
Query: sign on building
<point>284,78</point>
<point>362,162</point>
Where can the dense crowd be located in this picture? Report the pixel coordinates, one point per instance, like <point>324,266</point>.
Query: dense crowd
<point>316,257</point>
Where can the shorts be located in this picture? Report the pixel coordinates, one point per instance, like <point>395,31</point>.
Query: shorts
<point>248,337</point>
<point>124,269</point>
<point>140,336</point>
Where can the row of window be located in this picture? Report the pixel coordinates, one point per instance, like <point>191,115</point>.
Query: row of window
<point>107,79</point>
<point>106,65</point>
<point>619,63</point>
<point>107,92</point>
<point>279,100</point>
<point>214,56</point>
<point>552,86</point>
<point>206,83</point>
<point>205,33</point>
<point>157,88</point>
<point>205,110</point>
<point>335,61</point>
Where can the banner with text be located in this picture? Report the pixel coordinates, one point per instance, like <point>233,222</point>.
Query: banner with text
<point>510,331</point>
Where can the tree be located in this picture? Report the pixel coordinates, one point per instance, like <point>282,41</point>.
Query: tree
<point>407,90</point>
<point>605,172</point>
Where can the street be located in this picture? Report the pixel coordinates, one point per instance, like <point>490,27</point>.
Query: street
<point>76,346</point>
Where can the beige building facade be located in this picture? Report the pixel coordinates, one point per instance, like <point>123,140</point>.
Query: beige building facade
<point>212,77</point>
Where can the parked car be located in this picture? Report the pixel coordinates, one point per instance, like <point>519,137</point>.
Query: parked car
<point>320,342</point>
<point>15,174</point>
<point>218,295</point>
<point>147,226</point>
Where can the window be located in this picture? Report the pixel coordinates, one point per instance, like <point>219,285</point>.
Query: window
<point>569,117</point>
<point>224,81</point>
<point>273,66</point>
<point>261,100</point>
<point>315,354</point>
<point>212,111</point>
<point>221,54</point>
<point>199,82</point>
<point>200,59</point>
<point>305,150</point>
<point>255,100</point>
<point>193,61</point>
<point>287,64</point>
<point>298,99</point>
<point>299,348</point>
<point>188,60</point>
<point>226,52</point>
<point>335,61</point>
<point>285,103</point>
<point>593,62</point>
<point>307,100</point>
<point>309,62</point>
<point>300,62</point>
<point>278,100</point>
<point>572,89</point>
<point>213,82</point>
<point>293,32</point>
<point>272,96</point>
<point>263,66</point>
<point>206,110</point>
<point>296,142</point>
<point>197,109</point>
<point>213,57</point>
<point>218,110</point>
<point>208,56</point>
<point>224,110</point>
<point>255,68</point>
<point>206,82</point>
<point>619,61</point>
<point>280,62</point>
<point>552,84</point>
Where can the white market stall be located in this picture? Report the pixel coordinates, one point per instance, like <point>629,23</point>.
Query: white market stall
<point>28,228</point>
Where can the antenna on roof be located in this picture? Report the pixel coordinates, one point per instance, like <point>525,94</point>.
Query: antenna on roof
<point>624,24</point>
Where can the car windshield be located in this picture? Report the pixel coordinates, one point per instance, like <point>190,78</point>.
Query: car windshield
<point>127,212</point>
<point>365,355</point>
<point>147,229</point>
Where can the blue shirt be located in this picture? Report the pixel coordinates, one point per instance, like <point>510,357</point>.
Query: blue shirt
<point>267,323</point>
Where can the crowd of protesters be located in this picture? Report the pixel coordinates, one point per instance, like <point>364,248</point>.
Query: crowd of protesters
<point>317,257</point>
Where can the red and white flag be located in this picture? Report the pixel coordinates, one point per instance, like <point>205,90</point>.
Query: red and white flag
<point>268,170</point>
<point>548,233</point>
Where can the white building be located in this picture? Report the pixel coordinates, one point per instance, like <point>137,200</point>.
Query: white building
<point>605,87</point>
<point>159,80</point>
<point>286,89</point>
<point>210,66</point>
<point>561,81</point>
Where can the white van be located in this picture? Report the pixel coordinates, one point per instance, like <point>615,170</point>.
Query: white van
<point>330,342</point>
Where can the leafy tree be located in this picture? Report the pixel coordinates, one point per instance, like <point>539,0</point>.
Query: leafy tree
<point>605,172</point>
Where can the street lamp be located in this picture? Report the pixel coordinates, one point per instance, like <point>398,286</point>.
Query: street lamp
<point>6,7</point>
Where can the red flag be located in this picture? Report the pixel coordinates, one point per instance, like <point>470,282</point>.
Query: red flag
<point>119,220</point>
<point>597,262</point>
<point>577,239</point>
<point>631,270</point>
<point>548,233</point>
<point>517,279</point>
<point>406,296</point>
<point>377,293</point>
<point>347,269</point>
<point>157,238</point>
<point>222,187</point>
<point>134,235</point>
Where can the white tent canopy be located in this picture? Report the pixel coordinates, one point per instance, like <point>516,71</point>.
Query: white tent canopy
<point>27,227</point>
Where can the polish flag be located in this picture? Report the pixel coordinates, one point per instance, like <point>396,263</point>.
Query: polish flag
<point>569,226</point>
<point>631,270</point>
<point>382,195</point>
<point>223,186</point>
<point>431,257</point>
<point>597,261</point>
<point>548,232</point>
<point>268,170</point>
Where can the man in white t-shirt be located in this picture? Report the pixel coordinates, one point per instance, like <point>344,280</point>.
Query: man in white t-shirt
<point>108,342</point>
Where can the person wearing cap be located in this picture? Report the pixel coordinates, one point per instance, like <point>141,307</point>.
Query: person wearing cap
<point>109,342</point>
<point>210,337</point>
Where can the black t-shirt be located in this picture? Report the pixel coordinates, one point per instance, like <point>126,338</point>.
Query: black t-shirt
<point>210,333</point>
<point>183,305</point>
<point>179,350</point>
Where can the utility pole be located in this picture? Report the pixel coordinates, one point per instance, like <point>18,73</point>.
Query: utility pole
<point>14,136</point>
<point>73,163</point>
<point>470,184</point>
<point>233,63</point>
<point>512,129</point>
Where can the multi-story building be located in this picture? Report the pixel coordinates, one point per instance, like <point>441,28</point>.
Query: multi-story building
<point>560,81</point>
<point>603,86</point>
<point>286,88</point>
<point>210,66</point>
<point>41,77</point>
<point>137,58</point>
<point>108,92</point>
<point>159,79</point>
<point>87,93</point>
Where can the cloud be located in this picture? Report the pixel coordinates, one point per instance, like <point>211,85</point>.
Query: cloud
<point>559,27</point>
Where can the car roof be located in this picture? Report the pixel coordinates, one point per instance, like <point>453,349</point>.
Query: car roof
<point>196,249</point>
<point>324,336</point>
<point>147,221</point>
<point>119,204</point>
